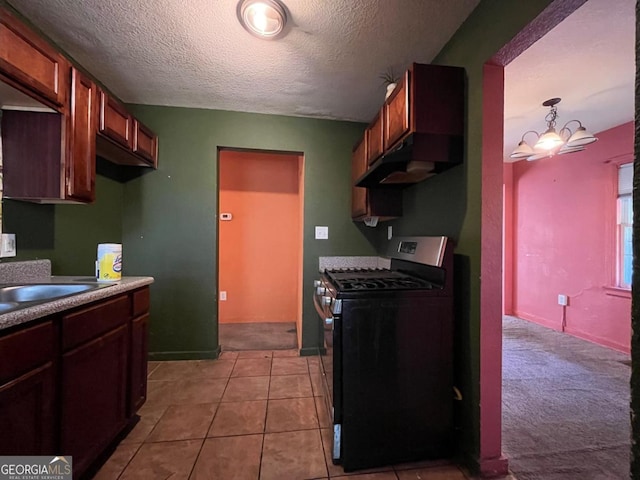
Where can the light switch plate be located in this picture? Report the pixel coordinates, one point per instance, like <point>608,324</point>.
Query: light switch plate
<point>322,233</point>
<point>8,245</point>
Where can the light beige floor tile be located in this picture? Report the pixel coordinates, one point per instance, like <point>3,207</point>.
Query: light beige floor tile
<point>316,382</point>
<point>163,460</point>
<point>228,355</point>
<point>251,367</point>
<point>239,418</point>
<point>285,353</point>
<point>291,414</point>
<point>198,390</point>
<point>324,418</point>
<point>236,458</point>
<point>113,467</point>
<point>183,370</point>
<point>159,393</point>
<point>183,422</point>
<point>246,388</point>
<point>290,386</point>
<point>289,366</point>
<point>149,416</point>
<point>255,354</point>
<point>151,367</point>
<point>172,370</point>
<point>292,456</point>
<point>214,368</point>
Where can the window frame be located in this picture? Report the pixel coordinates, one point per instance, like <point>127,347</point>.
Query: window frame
<point>619,274</point>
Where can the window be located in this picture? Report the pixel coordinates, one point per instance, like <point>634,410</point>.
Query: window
<point>625,225</point>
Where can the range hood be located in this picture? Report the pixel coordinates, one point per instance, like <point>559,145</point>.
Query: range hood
<point>416,158</point>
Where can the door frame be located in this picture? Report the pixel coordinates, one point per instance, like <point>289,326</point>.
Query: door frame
<point>300,159</point>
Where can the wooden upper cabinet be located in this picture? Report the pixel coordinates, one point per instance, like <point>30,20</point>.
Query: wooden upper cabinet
<point>30,64</point>
<point>122,139</point>
<point>375,138</point>
<point>396,113</point>
<point>115,121</point>
<point>145,143</point>
<point>81,160</point>
<point>358,167</point>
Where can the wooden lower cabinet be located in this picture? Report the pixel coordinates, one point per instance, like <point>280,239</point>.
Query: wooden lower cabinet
<point>71,384</point>
<point>139,351</point>
<point>27,420</point>
<point>94,386</point>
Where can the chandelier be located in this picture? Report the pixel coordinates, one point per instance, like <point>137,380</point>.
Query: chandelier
<point>551,143</point>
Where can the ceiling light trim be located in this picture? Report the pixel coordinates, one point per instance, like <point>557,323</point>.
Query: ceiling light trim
<point>264,19</point>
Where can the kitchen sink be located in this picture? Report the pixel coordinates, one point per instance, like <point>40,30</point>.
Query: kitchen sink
<point>13,297</point>
<point>7,306</point>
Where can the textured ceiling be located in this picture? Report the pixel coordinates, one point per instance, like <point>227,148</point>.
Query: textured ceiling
<point>588,60</point>
<point>194,53</point>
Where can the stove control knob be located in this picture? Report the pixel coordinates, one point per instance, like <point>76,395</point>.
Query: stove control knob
<point>328,321</point>
<point>317,283</point>
<point>320,291</point>
<point>326,300</point>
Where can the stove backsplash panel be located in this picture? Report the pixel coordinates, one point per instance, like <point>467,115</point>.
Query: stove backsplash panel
<point>330,263</point>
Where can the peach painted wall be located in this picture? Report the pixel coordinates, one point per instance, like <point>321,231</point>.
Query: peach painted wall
<point>260,248</point>
<point>564,241</point>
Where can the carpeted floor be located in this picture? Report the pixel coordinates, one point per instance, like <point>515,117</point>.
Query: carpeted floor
<point>565,406</point>
<point>258,336</point>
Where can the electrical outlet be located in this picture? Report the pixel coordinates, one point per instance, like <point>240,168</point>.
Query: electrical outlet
<point>389,232</point>
<point>322,233</point>
<point>223,296</point>
<point>8,245</point>
<point>563,300</point>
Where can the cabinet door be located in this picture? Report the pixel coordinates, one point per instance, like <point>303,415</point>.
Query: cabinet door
<point>145,143</point>
<point>115,121</point>
<point>27,413</point>
<point>81,161</point>
<point>31,62</point>
<point>94,396</point>
<point>397,113</point>
<point>375,138</point>
<point>139,349</point>
<point>358,167</point>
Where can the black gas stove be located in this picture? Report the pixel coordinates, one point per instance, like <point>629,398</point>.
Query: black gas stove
<point>387,373</point>
<point>371,279</point>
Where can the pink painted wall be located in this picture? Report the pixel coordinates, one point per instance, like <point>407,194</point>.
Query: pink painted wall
<point>564,241</point>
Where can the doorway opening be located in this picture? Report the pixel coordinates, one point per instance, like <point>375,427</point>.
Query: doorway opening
<point>565,398</point>
<point>260,208</point>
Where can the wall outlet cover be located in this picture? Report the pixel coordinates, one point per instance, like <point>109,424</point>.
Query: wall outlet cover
<point>322,233</point>
<point>8,245</point>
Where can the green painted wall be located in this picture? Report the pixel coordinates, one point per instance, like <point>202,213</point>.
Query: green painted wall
<point>67,234</point>
<point>457,193</point>
<point>170,226</point>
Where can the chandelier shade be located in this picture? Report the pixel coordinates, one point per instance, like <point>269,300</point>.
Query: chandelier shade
<point>551,142</point>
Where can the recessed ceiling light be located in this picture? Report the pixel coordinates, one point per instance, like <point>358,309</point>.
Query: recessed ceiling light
<point>262,18</point>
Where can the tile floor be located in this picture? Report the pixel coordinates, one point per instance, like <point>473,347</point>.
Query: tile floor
<point>251,415</point>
